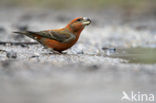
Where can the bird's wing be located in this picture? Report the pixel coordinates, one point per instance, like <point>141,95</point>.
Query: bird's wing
<point>61,36</point>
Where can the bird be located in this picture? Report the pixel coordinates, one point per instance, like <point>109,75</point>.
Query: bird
<point>58,40</point>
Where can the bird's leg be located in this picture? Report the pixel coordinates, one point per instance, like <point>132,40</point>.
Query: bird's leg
<point>63,52</point>
<point>54,51</point>
<point>58,52</point>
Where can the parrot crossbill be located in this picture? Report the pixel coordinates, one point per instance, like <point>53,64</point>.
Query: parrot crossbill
<point>58,40</point>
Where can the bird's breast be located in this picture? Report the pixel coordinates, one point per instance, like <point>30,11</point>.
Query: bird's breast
<point>58,46</point>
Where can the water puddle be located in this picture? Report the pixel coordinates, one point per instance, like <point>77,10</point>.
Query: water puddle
<point>135,55</point>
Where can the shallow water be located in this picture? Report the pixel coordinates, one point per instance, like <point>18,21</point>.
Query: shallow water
<point>136,55</point>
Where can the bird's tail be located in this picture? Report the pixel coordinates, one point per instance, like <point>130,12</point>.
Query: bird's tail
<point>29,34</point>
<point>17,32</point>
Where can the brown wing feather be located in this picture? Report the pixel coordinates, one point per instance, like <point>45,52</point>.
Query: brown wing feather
<point>58,36</point>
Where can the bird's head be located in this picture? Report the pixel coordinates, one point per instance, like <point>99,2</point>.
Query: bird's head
<point>78,24</point>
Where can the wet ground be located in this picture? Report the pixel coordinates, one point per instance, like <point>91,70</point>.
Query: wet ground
<point>134,55</point>
<point>111,56</point>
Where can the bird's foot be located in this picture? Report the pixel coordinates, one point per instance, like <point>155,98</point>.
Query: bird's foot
<point>58,52</point>
<point>55,52</point>
<point>63,52</point>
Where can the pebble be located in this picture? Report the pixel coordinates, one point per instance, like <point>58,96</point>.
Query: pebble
<point>80,52</point>
<point>11,54</point>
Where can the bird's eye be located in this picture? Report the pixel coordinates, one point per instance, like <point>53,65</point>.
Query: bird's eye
<point>78,19</point>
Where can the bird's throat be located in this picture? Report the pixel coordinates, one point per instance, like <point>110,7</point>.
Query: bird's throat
<point>75,29</point>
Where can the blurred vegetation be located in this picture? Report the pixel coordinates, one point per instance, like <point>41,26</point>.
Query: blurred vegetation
<point>90,4</point>
<point>129,7</point>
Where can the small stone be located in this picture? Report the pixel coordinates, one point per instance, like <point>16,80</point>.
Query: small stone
<point>80,52</point>
<point>24,45</point>
<point>2,50</point>
<point>34,56</point>
<point>11,54</point>
<point>112,50</point>
<point>104,48</point>
<point>109,51</point>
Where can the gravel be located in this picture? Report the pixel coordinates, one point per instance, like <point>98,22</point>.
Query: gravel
<point>30,74</point>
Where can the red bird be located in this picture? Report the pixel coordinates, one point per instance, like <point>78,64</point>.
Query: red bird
<point>58,40</point>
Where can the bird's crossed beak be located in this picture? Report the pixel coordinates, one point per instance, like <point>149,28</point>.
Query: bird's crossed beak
<point>86,21</point>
